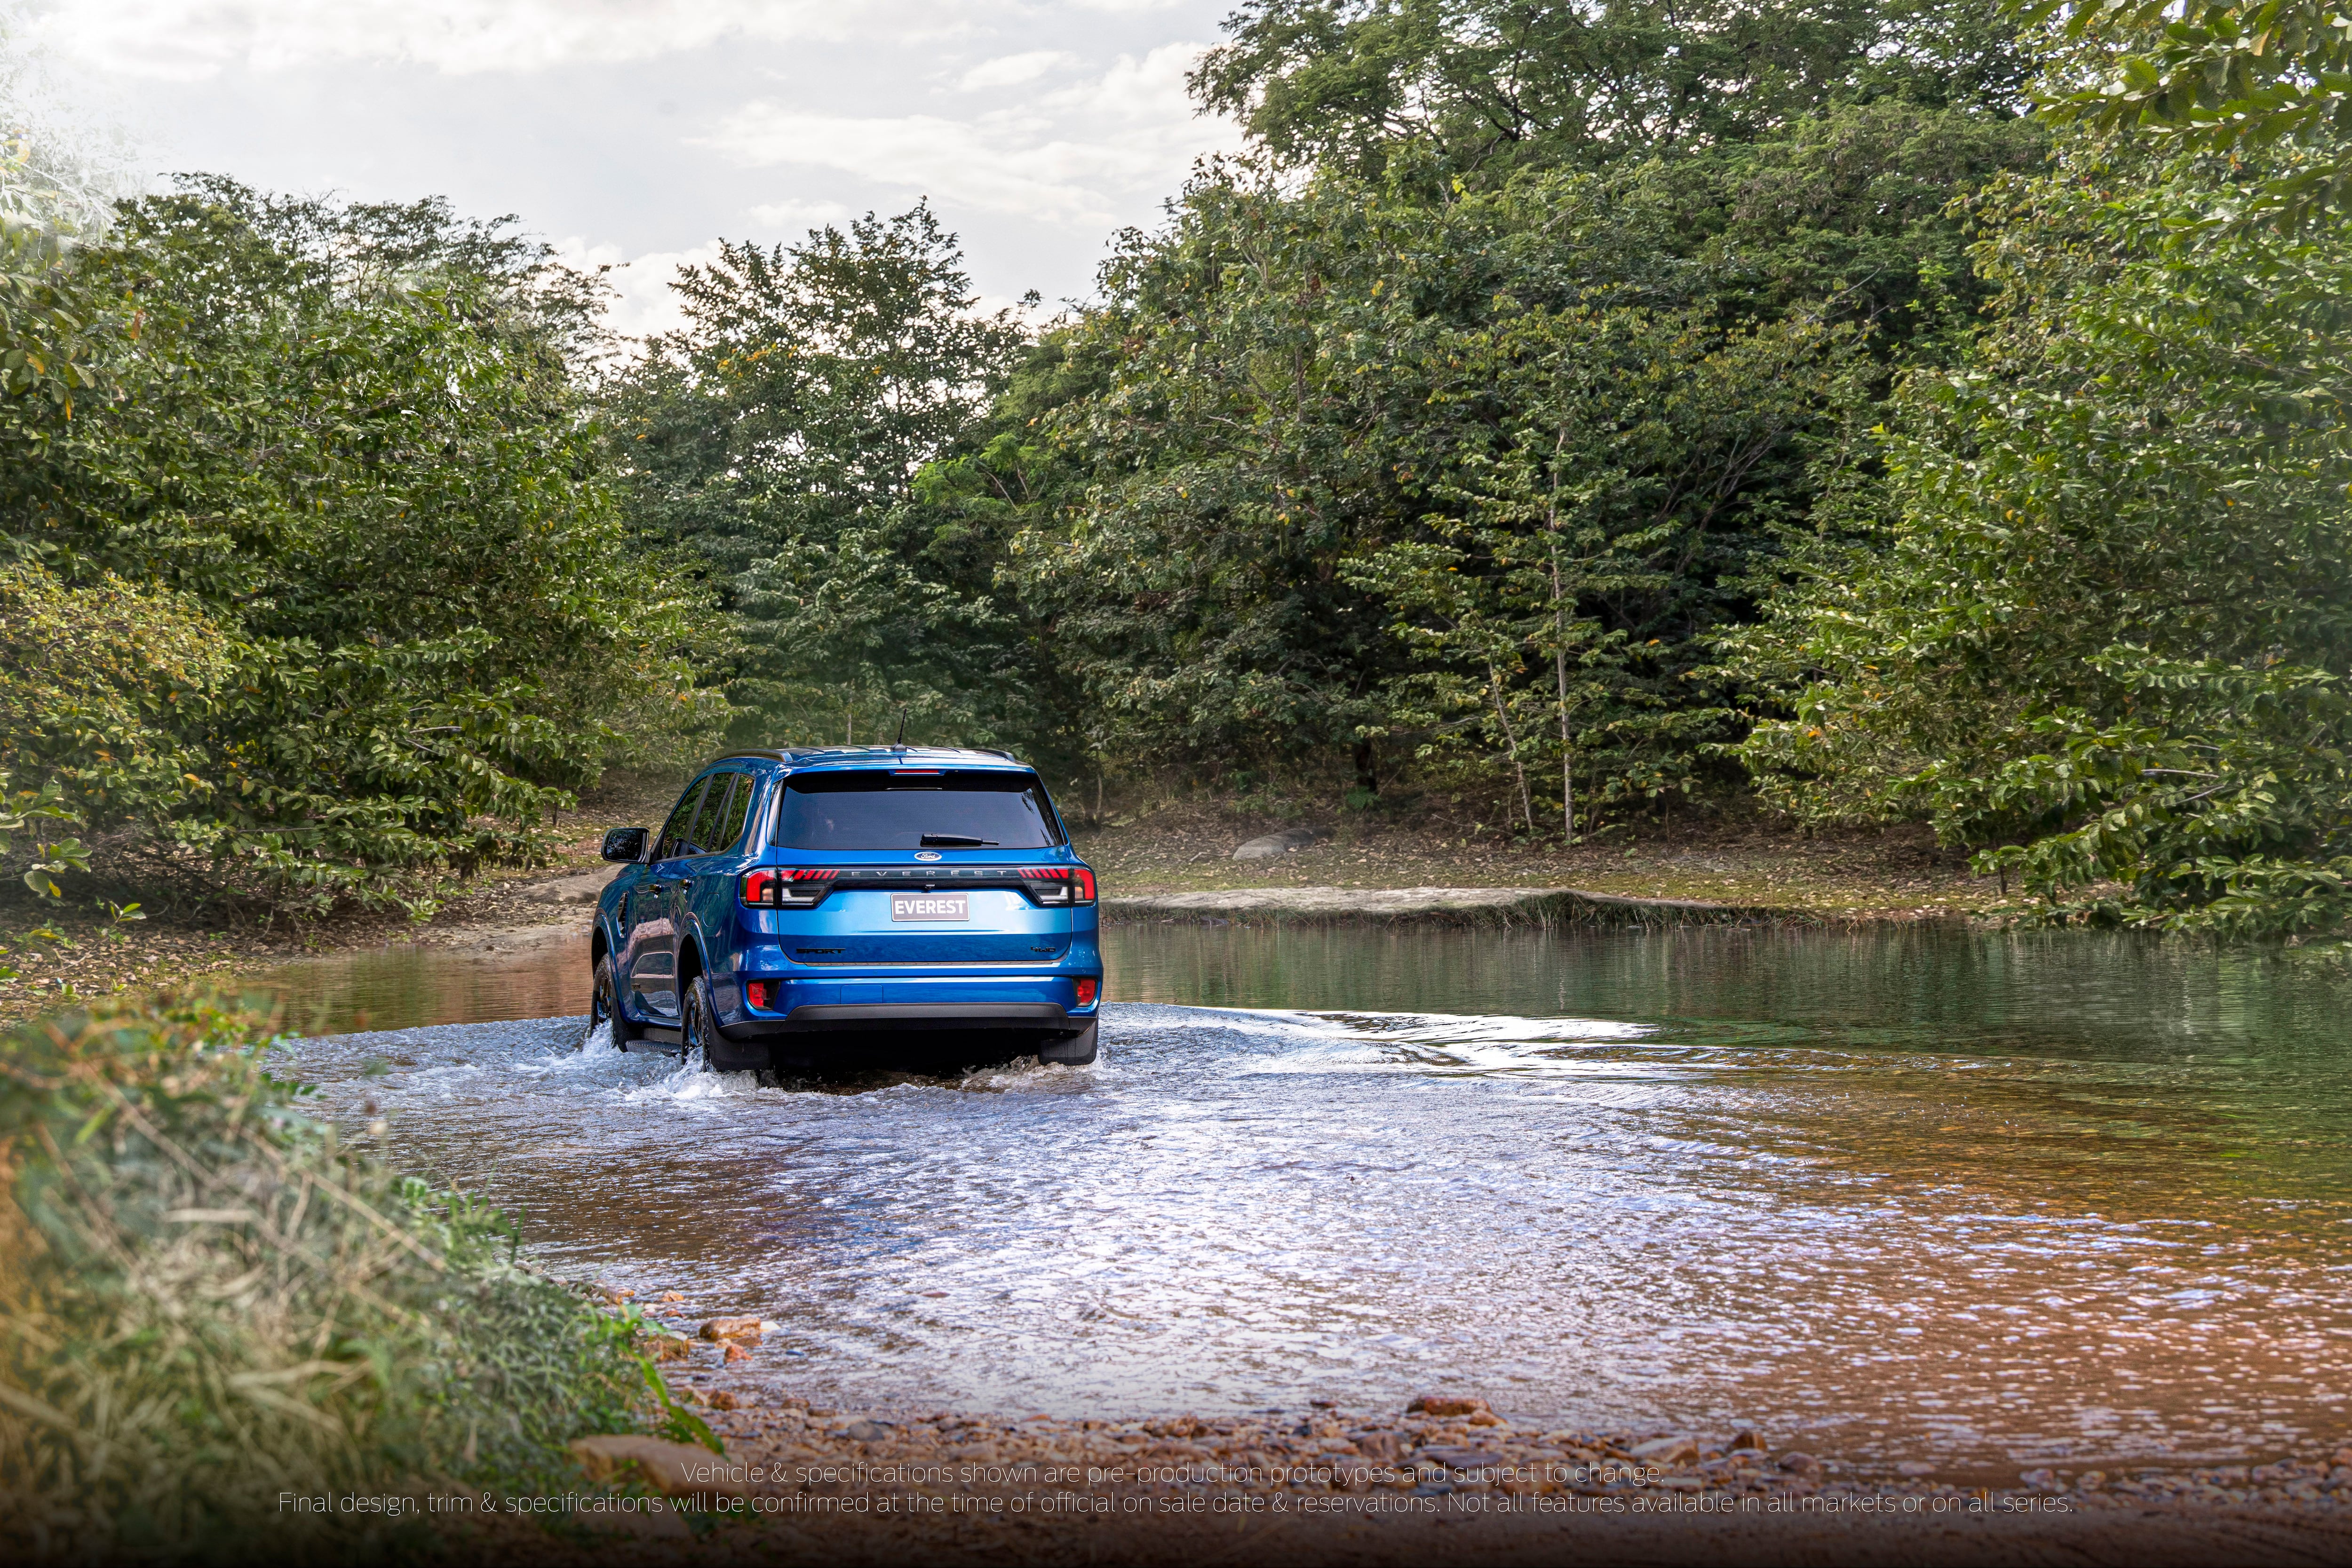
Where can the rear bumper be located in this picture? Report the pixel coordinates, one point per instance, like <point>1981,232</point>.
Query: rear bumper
<point>817,1018</point>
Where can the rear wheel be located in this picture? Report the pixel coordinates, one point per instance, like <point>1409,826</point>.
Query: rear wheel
<point>1076,1051</point>
<point>699,1032</point>
<point>604,1004</point>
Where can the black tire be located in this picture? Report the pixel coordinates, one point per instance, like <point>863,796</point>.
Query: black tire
<point>698,1031</point>
<point>604,1004</point>
<point>1076,1051</point>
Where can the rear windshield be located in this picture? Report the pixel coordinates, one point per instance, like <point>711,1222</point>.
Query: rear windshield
<point>916,809</point>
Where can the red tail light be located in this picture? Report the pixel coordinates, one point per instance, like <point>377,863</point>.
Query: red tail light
<point>1086,992</point>
<point>1060,886</point>
<point>772,888</point>
<point>760,993</point>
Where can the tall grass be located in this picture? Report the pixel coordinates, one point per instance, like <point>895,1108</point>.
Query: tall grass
<point>209,1305</point>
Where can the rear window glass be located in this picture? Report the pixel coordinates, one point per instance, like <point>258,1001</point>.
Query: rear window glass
<point>916,810</point>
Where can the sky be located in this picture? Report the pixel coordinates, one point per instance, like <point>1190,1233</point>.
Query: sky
<point>638,131</point>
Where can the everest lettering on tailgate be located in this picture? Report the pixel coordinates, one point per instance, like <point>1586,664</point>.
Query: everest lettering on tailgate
<point>930,906</point>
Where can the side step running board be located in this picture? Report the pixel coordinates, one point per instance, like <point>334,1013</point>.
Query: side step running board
<point>654,1034</point>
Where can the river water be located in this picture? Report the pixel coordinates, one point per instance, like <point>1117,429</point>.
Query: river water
<point>1990,1200</point>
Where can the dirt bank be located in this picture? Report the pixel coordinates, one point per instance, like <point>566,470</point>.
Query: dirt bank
<point>1432,906</point>
<point>1745,862</point>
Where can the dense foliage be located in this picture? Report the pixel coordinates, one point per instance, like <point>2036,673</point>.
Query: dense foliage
<point>1459,457</point>
<point>2273,77</point>
<point>777,438</point>
<point>315,580</point>
<point>205,1302</point>
<point>2104,627</point>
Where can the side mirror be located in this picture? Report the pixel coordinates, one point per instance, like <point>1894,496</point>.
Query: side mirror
<point>625,843</point>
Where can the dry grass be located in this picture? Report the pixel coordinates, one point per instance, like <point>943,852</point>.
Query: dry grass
<point>205,1303</point>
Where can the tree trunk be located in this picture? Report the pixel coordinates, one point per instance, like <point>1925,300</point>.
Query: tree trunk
<point>1560,655</point>
<point>1501,716</point>
<point>1367,778</point>
<point>1566,749</point>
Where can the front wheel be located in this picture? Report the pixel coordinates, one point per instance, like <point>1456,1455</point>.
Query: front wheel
<point>1076,1051</point>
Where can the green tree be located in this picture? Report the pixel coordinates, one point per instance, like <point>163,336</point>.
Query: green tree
<point>779,437</point>
<point>1481,88</point>
<point>330,524</point>
<point>2273,77</point>
<point>2101,628</point>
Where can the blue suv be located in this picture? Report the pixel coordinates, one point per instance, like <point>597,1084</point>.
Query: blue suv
<point>799,900</point>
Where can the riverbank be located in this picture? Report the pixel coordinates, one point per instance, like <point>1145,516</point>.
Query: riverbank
<point>1170,860</point>
<point>1503,907</point>
<point>1743,861</point>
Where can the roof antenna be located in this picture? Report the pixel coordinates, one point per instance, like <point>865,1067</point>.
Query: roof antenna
<point>901,741</point>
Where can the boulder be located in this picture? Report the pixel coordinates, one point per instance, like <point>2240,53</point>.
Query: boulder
<point>673,1469</point>
<point>1446,1405</point>
<point>1273,846</point>
<point>1748,1437</point>
<point>586,888</point>
<point>669,1347</point>
<point>1798,1464</point>
<point>731,1331</point>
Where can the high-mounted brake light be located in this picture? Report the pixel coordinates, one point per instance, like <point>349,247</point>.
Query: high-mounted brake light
<point>771,888</point>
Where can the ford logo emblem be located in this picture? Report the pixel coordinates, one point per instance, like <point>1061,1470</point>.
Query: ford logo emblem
<point>926,854</point>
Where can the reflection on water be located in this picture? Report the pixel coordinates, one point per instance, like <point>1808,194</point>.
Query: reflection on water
<point>1996,1199</point>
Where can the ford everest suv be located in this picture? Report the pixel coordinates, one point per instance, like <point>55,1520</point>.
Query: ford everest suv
<point>807,899</point>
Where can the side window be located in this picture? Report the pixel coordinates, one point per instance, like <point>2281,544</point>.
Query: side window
<point>731,831</point>
<point>705,839</point>
<point>673,833</point>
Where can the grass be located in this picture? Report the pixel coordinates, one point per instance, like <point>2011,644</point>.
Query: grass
<point>207,1301</point>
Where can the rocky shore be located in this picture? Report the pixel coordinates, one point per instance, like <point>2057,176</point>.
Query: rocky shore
<point>1448,1478</point>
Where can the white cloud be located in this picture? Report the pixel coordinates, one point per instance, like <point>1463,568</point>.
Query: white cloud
<point>1070,157</point>
<point>1012,70</point>
<point>643,302</point>
<point>188,40</point>
<point>799,217</point>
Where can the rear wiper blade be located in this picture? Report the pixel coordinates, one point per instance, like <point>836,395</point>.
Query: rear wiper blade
<point>959,841</point>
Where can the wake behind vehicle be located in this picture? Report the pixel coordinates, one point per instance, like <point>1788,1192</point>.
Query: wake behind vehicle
<point>834,901</point>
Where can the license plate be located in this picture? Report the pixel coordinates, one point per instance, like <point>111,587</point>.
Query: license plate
<point>930,906</point>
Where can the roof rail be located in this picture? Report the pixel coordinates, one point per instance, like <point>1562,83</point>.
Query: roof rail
<point>790,754</point>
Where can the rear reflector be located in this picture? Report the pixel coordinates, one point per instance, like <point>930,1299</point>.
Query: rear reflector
<point>760,993</point>
<point>1086,992</point>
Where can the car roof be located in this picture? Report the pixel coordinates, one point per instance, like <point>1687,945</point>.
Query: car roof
<point>805,758</point>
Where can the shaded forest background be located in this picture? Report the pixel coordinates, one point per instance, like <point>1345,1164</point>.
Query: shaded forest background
<point>1888,410</point>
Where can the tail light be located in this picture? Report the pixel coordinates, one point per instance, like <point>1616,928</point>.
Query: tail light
<point>759,994</point>
<point>786,888</point>
<point>1087,991</point>
<point>1057,885</point>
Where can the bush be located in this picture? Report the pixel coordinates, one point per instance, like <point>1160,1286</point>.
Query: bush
<point>208,1300</point>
